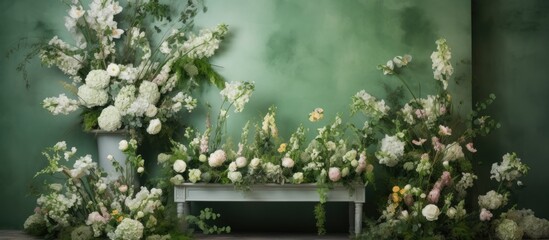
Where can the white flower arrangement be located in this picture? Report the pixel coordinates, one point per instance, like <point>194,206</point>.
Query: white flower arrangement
<point>114,68</point>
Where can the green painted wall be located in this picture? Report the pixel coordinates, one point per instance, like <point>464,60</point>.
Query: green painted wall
<point>301,55</point>
<point>510,60</point>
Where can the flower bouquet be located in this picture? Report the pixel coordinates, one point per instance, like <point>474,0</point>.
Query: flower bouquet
<point>427,150</point>
<point>120,77</point>
<point>82,203</point>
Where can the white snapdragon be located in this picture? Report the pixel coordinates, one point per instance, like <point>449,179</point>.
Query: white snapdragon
<point>510,168</point>
<point>465,182</point>
<point>125,98</point>
<point>442,68</point>
<point>391,150</point>
<point>60,105</point>
<point>363,101</point>
<point>237,93</point>
<point>205,44</point>
<point>82,166</point>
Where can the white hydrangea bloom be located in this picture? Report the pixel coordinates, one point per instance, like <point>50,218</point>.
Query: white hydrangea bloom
<point>138,107</point>
<point>90,97</point>
<point>129,229</point>
<point>128,73</point>
<point>60,105</point>
<point>492,200</point>
<point>110,119</point>
<point>98,79</point>
<point>149,91</point>
<point>391,150</point>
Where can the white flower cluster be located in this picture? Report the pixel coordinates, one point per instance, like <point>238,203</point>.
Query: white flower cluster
<point>453,152</point>
<point>398,61</point>
<point>510,168</point>
<point>144,201</point>
<point>128,229</point>
<point>431,109</point>
<point>205,44</point>
<point>194,175</point>
<point>60,105</point>
<point>442,68</point>
<point>183,100</point>
<point>465,182</point>
<point>82,167</point>
<point>58,206</point>
<point>508,230</point>
<point>363,101</point>
<point>56,54</point>
<point>492,200</point>
<point>391,150</point>
<point>238,94</point>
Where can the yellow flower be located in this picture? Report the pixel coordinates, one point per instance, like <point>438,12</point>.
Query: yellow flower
<point>403,191</point>
<point>119,219</point>
<point>282,148</point>
<point>395,197</point>
<point>316,114</point>
<point>114,212</point>
<point>396,189</point>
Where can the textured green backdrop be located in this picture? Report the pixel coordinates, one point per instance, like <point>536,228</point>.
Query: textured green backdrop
<point>301,55</point>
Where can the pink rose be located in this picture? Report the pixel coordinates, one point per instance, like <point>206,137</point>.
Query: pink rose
<point>434,195</point>
<point>334,173</point>
<point>485,215</point>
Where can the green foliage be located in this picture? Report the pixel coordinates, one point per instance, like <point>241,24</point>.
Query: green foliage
<point>202,222</point>
<point>320,216</point>
<point>89,119</point>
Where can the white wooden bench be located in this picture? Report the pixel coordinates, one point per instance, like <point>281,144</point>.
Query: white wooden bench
<point>204,192</point>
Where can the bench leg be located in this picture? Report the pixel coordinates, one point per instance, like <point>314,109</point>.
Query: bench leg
<point>358,218</point>
<point>351,217</point>
<point>182,212</point>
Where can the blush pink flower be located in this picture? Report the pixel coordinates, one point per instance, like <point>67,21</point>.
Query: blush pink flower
<point>437,145</point>
<point>419,142</point>
<point>334,173</point>
<point>470,147</point>
<point>446,179</point>
<point>434,195</point>
<point>485,215</point>
<point>444,131</point>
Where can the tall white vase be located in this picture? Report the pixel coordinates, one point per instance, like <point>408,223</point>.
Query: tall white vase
<point>107,144</point>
